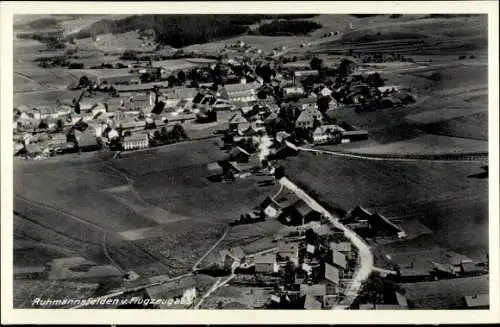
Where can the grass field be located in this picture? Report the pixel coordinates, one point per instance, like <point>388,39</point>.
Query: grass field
<point>439,195</point>
<point>136,231</point>
<point>427,144</point>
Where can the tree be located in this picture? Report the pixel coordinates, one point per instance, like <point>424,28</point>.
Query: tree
<point>375,289</point>
<point>323,104</point>
<point>84,82</point>
<point>172,81</point>
<point>181,77</point>
<point>59,125</point>
<point>316,63</point>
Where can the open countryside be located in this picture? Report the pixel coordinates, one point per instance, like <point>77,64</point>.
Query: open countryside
<point>313,161</point>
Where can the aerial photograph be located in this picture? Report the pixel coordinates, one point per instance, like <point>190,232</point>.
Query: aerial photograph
<point>250,161</point>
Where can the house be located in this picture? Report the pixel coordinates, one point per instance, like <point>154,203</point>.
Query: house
<point>139,102</point>
<point>300,75</point>
<point>266,263</point>
<point>57,141</point>
<point>173,97</point>
<point>239,154</point>
<point>243,92</point>
<point>132,124</point>
<point>270,208</point>
<point>343,247</point>
<point>87,140</point>
<point>307,103</point>
<point>236,120</point>
<point>442,270</point>
<point>352,136</point>
<point>308,119</point>
<point>321,231</point>
<point>300,213</point>
<point>468,267</point>
<point>326,134</point>
<point>339,261</point>
<point>292,91</point>
<point>477,301</point>
<point>136,141</point>
<point>310,248</point>
<point>307,268</point>
<point>289,251</point>
<point>310,303</point>
<point>331,278</point>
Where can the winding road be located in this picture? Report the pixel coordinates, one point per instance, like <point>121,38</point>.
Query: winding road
<point>365,253</point>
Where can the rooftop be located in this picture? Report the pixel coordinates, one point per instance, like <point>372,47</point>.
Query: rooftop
<point>265,258</point>
<point>339,259</point>
<point>331,273</point>
<point>136,137</point>
<point>311,303</point>
<point>478,300</point>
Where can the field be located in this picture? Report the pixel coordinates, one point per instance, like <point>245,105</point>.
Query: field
<point>427,144</point>
<point>439,195</point>
<point>141,230</point>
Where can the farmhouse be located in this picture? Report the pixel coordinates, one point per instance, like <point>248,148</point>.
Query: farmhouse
<point>300,213</point>
<point>352,136</point>
<point>135,141</point>
<point>266,263</point>
<point>270,208</point>
<point>139,102</point>
<point>326,133</point>
<point>86,141</point>
<point>57,141</point>
<point>289,251</point>
<point>243,92</point>
<point>174,96</point>
<point>308,119</point>
<point>477,301</point>
<point>293,91</point>
<point>331,279</point>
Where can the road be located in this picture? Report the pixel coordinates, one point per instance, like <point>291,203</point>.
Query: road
<point>195,266</point>
<point>365,253</point>
<point>218,284</point>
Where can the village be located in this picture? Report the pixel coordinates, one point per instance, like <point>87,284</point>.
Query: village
<point>260,108</point>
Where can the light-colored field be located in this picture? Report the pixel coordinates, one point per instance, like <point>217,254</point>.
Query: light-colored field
<point>439,115</point>
<point>427,144</point>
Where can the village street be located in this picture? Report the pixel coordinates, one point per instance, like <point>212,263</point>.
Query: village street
<point>366,256</point>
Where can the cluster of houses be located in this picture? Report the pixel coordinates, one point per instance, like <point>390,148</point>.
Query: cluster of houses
<point>316,264</point>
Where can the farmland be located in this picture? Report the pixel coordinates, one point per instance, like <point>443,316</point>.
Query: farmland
<point>85,217</point>
<point>441,196</point>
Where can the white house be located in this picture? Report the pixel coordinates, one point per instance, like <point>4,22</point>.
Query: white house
<point>136,141</point>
